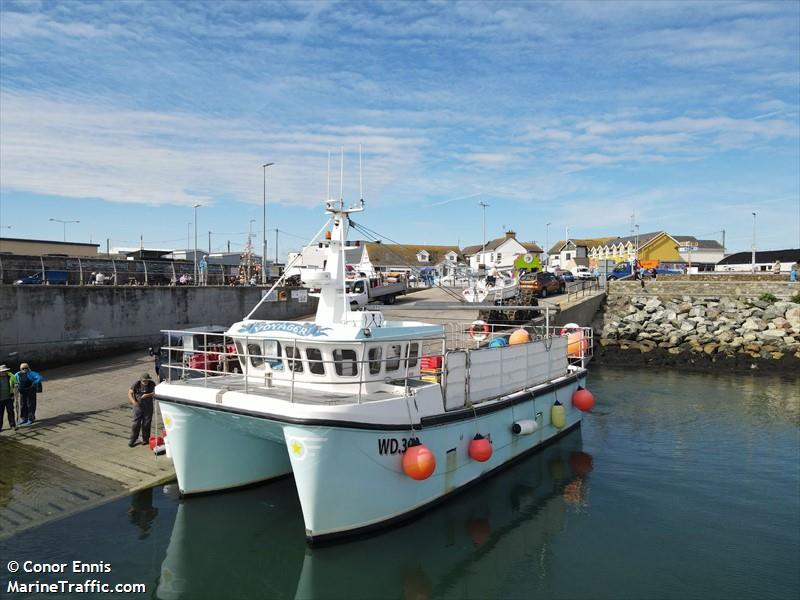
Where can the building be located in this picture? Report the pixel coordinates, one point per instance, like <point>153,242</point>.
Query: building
<point>42,247</point>
<point>500,252</point>
<point>379,258</point>
<point>656,247</point>
<point>743,261</point>
<point>573,253</point>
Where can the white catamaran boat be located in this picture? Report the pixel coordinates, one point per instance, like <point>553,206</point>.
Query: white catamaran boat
<point>375,419</point>
<point>483,291</point>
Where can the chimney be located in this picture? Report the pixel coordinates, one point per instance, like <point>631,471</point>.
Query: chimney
<point>510,234</point>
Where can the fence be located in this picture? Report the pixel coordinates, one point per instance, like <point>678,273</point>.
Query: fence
<point>63,270</point>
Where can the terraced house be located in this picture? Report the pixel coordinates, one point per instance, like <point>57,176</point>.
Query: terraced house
<point>657,246</point>
<point>383,258</point>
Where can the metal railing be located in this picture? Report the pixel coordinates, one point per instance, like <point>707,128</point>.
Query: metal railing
<point>220,359</point>
<point>581,288</point>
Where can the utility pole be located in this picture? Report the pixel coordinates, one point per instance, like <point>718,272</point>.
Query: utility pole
<point>196,206</point>
<point>723,242</point>
<point>276,245</point>
<point>753,258</point>
<point>264,225</point>
<point>108,247</point>
<point>209,242</point>
<point>547,244</point>
<point>483,205</point>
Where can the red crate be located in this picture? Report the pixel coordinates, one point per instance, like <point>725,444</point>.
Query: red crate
<point>431,362</point>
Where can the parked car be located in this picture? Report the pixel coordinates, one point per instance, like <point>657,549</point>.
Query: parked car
<point>542,283</point>
<point>583,273</point>
<point>51,278</point>
<point>567,276</point>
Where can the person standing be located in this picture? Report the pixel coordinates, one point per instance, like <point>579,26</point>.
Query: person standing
<point>8,385</point>
<point>776,268</point>
<point>141,395</point>
<point>28,382</point>
<point>203,266</point>
<point>794,272</point>
<point>637,275</point>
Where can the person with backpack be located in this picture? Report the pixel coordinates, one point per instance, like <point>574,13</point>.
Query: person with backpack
<point>8,384</point>
<point>28,383</point>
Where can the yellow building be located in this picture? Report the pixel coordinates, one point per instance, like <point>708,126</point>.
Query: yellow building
<point>658,246</point>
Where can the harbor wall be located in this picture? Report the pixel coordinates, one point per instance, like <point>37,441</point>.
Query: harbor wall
<point>49,325</point>
<point>738,324</point>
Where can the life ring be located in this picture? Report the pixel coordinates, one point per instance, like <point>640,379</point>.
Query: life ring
<point>479,331</point>
<point>528,258</point>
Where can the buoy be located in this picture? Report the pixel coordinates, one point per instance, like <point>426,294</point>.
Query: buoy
<point>418,461</point>
<point>500,342</point>
<point>582,399</point>
<point>576,343</point>
<point>557,415</point>
<point>581,463</point>
<point>524,427</point>
<point>480,448</point>
<point>520,336</point>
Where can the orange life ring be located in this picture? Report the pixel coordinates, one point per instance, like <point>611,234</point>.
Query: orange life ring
<point>479,330</point>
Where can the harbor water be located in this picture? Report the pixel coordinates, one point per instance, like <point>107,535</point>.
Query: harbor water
<point>678,485</point>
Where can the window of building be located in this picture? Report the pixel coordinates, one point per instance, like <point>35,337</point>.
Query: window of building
<point>393,357</point>
<point>499,257</point>
<point>423,256</point>
<point>345,361</point>
<point>374,357</point>
<point>315,364</point>
<point>567,256</point>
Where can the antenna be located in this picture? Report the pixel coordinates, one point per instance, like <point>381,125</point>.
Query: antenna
<point>360,176</point>
<point>328,197</point>
<point>341,175</point>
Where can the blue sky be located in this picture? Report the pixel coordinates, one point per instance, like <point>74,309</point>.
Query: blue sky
<point>124,114</point>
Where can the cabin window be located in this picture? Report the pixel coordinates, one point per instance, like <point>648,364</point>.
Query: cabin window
<point>345,361</point>
<point>256,358</point>
<point>315,364</point>
<point>375,360</point>
<point>413,353</point>
<point>393,357</point>
<point>293,361</point>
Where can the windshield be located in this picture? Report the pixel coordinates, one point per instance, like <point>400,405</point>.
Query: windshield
<point>356,287</point>
<point>622,267</point>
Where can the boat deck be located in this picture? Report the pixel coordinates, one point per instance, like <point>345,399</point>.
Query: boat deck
<point>298,394</point>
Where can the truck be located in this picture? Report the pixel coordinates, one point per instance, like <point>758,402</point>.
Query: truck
<point>50,278</point>
<point>363,290</point>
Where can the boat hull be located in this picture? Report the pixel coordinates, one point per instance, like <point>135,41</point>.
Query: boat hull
<point>350,478</point>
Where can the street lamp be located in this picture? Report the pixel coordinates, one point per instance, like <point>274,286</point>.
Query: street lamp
<point>249,249</point>
<point>64,223</point>
<point>483,205</point>
<point>196,206</point>
<point>753,257</point>
<point>547,243</point>
<point>264,223</point>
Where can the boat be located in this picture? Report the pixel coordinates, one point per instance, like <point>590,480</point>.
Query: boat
<point>484,291</point>
<point>376,420</point>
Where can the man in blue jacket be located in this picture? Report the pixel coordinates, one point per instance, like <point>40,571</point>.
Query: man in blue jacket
<point>27,383</point>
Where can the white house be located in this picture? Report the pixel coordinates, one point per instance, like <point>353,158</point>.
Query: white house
<point>572,253</point>
<point>499,252</point>
<point>743,261</point>
<point>409,258</point>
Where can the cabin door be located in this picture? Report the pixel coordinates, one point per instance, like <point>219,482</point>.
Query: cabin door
<point>455,388</point>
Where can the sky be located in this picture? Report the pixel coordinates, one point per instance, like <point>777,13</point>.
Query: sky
<point>587,116</point>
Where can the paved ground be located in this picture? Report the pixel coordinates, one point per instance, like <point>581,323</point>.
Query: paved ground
<point>76,455</point>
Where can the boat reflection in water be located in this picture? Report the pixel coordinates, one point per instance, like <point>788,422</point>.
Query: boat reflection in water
<point>250,543</point>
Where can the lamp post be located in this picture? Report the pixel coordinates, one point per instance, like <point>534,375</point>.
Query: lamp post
<point>250,250</point>
<point>64,223</point>
<point>753,256</point>
<point>196,206</point>
<point>636,257</point>
<point>264,225</point>
<point>547,243</point>
<point>483,205</point>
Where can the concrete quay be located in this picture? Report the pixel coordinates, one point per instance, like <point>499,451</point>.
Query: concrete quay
<point>76,455</point>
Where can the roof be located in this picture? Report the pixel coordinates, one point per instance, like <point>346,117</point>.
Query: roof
<point>497,242</point>
<point>406,254</point>
<point>8,239</point>
<point>767,256</point>
<point>587,242</point>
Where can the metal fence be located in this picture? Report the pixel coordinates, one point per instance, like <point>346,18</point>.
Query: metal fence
<point>64,270</point>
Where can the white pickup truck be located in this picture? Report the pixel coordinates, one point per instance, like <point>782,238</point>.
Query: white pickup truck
<point>364,290</point>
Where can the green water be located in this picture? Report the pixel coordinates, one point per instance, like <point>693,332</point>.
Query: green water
<point>677,486</point>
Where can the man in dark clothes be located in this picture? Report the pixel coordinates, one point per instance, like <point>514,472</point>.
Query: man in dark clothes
<point>141,397</point>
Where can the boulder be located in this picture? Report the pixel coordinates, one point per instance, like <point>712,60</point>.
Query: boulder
<point>754,324</point>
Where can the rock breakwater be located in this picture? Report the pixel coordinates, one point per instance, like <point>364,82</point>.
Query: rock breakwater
<point>740,333</point>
